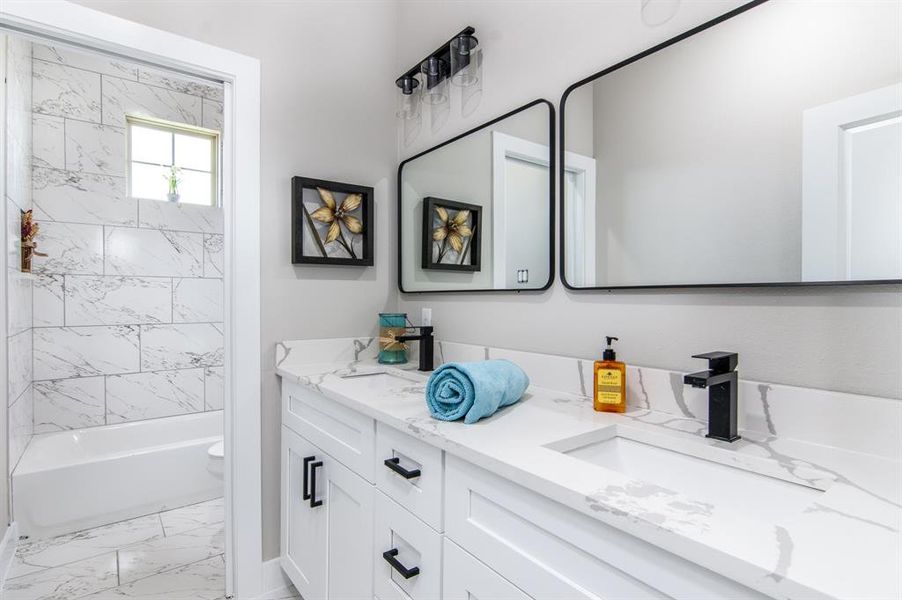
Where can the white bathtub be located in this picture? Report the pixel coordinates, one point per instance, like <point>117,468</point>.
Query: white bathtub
<point>73,480</point>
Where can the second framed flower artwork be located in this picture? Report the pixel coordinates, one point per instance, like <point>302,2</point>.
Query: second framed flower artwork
<point>451,235</point>
<point>332,223</point>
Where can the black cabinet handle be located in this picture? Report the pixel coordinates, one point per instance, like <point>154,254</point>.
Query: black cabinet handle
<point>307,460</point>
<point>389,556</point>
<point>395,465</point>
<point>313,501</point>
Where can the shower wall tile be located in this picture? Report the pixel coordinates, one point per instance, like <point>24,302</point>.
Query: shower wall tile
<point>197,300</point>
<point>153,252</point>
<point>61,352</point>
<point>92,148</point>
<point>21,425</point>
<point>65,92</point>
<point>181,346</point>
<point>179,217</point>
<point>19,348</point>
<point>88,61</point>
<point>69,404</point>
<point>214,391</point>
<point>19,304</point>
<point>121,98</point>
<point>18,173</point>
<point>13,233</point>
<point>117,300</point>
<point>71,248</point>
<point>81,197</point>
<point>177,83</point>
<point>212,117</point>
<point>48,142</point>
<point>48,301</point>
<point>213,256</point>
<point>152,395</point>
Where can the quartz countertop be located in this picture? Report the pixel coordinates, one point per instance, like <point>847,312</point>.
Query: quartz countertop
<point>846,544</point>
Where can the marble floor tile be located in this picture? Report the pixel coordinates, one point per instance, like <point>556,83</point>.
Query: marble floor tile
<point>166,553</point>
<point>203,580</point>
<point>191,517</point>
<point>66,582</point>
<point>53,552</point>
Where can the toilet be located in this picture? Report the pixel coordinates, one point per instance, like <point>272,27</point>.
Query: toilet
<point>216,458</point>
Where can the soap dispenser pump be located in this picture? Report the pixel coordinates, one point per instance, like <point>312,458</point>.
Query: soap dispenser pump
<point>610,381</point>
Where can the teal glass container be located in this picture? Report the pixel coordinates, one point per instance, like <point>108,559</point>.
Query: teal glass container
<point>392,326</point>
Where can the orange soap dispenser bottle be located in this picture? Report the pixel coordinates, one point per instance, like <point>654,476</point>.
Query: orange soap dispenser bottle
<point>610,381</point>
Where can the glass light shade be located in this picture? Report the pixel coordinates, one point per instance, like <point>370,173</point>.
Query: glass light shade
<point>466,61</point>
<point>435,77</point>
<point>408,105</point>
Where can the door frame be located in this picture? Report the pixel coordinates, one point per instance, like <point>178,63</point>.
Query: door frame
<point>66,22</point>
<point>584,168</point>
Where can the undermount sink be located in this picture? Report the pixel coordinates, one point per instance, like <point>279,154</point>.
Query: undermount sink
<point>752,485</point>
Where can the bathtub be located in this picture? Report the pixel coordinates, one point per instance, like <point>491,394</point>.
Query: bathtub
<point>74,480</point>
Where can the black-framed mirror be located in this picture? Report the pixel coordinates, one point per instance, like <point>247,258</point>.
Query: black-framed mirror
<point>763,148</point>
<point>476,213</point>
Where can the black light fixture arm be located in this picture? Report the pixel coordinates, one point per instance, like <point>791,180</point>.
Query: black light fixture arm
<point>441,65</point>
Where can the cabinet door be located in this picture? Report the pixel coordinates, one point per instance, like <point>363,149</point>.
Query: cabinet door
<point>303,528</point>
<point>408,554</point>
<point>466,578</point>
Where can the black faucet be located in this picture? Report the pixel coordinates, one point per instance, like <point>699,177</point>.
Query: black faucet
<point>426,345</point>
<point>722,382</point>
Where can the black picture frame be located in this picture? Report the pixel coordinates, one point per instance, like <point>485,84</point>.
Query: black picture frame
<point>552,230</point>
<point>302,224</point>
<point>473,249</point>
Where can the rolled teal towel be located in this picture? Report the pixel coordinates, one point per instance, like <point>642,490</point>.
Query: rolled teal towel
<point>474,390</point>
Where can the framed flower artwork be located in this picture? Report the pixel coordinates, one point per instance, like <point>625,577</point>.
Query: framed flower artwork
<point>332,223</point>
<point>451,235</point>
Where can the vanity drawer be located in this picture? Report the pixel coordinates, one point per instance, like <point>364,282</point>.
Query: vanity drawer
<point>413,477</point>
<point>551,551</point>
<point>465,577</point>
<point>412,545</point>
<point>345,434</point>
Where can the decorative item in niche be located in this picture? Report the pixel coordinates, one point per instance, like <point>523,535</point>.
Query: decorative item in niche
<point>173,180</point>
<point>29,230</point>
<point>331,223</point>
<point>451,235</point>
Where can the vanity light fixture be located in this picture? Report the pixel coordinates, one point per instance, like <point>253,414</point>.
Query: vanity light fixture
<point>458,60</point>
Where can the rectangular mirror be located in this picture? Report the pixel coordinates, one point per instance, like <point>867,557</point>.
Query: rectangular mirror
<point>476,212</point>
<point>762,148</point>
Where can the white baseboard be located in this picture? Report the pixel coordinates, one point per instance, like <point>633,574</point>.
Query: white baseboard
<point>8,551</point>
<point>274,578</point>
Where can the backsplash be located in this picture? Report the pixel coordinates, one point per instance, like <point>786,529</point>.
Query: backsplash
<point>128,303</point>
<point>822,417</point>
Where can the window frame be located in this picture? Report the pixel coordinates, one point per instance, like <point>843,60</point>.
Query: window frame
<point>173,128</point>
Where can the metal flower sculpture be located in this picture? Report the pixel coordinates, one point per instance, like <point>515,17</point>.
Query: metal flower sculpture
<point>337,215</point>
<point>453,230</point>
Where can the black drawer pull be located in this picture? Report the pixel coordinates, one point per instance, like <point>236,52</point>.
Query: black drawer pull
<point>389,556</point>
<point>395,465</point>
<point>307,460</point>
<point>313,501</point>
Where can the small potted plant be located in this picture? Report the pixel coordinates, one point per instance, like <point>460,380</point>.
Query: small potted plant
<point>173,179</point>
<point>29,246</point>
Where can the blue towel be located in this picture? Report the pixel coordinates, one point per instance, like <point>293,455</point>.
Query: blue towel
<point>474,390</point>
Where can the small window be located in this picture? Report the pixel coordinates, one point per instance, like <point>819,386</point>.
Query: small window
<point>160,151</point>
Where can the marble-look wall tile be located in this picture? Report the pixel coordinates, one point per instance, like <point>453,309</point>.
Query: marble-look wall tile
<point>121,98</point>
<point>214,390</point>
<point>80,197</point>
<point>13,235</point>
<point>177,216</point>
<point>150,395</point>
<point>19,301</point>
<point>153,252</point>
<point>116,300</point>
<point>18,172</point>
<point>92,148</point>
<point>48,301</point>
<point>63,404</point>
<point>181,346</point>
<point>21,425</point>
<point>197,300</point>
<point>214,257</point>
<point>180,83</point>
<point>61,352</point>
<point>19,362</point>
<point>48,142</point>
<point>331,350</point>
<point>70,248</point>
<point>212,117</point>
<point>89,61</point>
<point>66,92</point>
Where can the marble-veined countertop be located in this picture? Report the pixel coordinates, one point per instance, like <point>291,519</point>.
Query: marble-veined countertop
<point>845,545</point>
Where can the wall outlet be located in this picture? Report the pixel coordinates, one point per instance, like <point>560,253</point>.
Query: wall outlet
<point>425,316</point>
